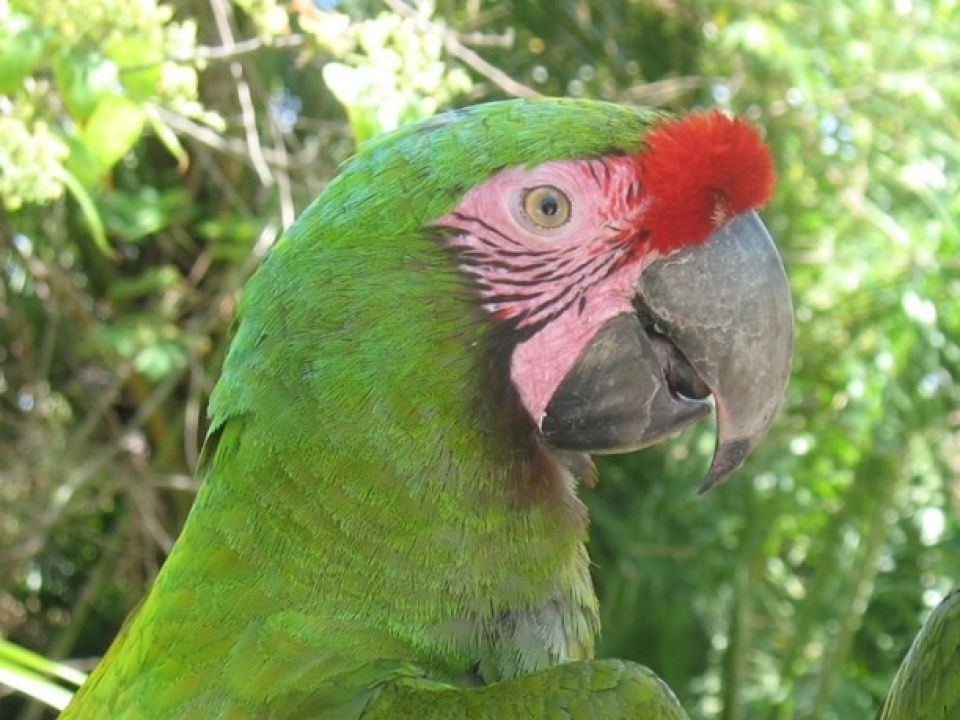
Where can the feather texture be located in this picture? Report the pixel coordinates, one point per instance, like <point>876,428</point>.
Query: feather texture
<point>376,513</point>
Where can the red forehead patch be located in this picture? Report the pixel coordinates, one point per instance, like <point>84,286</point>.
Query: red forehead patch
<point>698,171</point>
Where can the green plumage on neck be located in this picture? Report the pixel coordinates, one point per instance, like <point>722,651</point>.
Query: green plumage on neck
<point>371,516</point>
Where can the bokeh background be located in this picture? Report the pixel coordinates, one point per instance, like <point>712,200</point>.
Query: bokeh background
<point>151,152</point>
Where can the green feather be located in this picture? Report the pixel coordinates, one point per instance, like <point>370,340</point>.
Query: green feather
<point>927,685</point>
<point>370,529</point>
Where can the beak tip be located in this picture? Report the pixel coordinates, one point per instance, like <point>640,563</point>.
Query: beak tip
<point>727,458</point>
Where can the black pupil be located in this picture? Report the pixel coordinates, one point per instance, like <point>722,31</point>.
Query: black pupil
<point>549,205</point>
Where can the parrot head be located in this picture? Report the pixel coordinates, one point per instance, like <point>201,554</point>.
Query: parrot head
<point>611,261</point>
<point>634,285</point>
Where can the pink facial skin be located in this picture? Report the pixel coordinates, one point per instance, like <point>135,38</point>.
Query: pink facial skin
<point>559,286</point>
<point>562,284</point>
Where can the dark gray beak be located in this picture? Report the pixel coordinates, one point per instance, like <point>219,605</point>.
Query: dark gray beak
<point>714,319</point>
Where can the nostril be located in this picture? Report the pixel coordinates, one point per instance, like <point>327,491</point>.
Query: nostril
<point>681,378</point>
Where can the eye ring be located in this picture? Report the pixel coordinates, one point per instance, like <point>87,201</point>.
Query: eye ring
<point>546,206</point>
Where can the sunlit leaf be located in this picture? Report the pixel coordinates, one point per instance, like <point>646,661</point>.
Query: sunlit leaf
<point>21,50</point>
<point>29,673</point>
<point>84,78</point>
<point>89,210</point>
<point>114,127</point>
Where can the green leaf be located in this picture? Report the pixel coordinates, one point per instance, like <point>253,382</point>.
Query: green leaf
<point>169,140</point>
<point>156,348</point>
<point>90,214</point>
<point>155,362</point>
<point>21,49</point>
<point>15,655</point>
<point>139,64</point>
<point>113,128</point>
<point>134,215</point>
<point>230,235</point>
<point>25,671</point>
<point>153,280</point>
<point>83,78</point>
<point>353,89</point>
<point>82,163</point>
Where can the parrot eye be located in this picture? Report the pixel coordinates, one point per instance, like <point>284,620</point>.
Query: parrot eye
<point>546,206</point>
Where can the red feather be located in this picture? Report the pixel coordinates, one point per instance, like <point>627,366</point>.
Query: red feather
<point>697,172</point>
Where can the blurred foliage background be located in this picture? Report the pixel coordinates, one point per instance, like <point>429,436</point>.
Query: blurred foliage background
<point>151,152</point>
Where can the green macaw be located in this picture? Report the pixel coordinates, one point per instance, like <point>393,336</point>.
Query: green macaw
<point>388,524</point>
<point>927,685</point>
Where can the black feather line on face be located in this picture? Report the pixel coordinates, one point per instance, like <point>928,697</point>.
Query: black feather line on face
<point>528,321</point>
<point>488,227</point>
<point>484,225</point>
<point>593,172</point>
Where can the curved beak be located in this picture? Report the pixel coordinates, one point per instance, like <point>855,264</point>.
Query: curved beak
<point>713,319</point>
<point>726,306</point>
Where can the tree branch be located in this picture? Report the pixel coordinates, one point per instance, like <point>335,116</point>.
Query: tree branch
<point>247,111</point>
<point>463,53</point>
